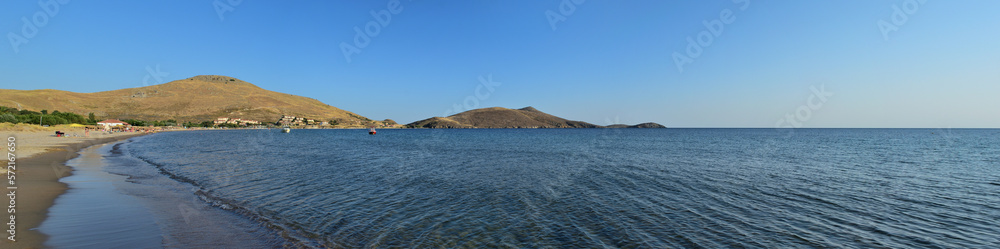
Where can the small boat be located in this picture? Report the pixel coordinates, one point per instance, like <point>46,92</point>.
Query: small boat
<point>371,131</point>
<point>286,130</point>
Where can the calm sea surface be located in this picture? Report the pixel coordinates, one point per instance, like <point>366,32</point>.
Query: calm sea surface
<point>587,188</point>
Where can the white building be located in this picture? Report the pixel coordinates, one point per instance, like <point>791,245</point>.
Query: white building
<point>111,123</point>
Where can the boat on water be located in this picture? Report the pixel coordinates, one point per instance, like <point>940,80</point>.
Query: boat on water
<point>371,131</point>
<point>286,130</point>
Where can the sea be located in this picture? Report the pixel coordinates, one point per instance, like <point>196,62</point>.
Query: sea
<point>562,188</point>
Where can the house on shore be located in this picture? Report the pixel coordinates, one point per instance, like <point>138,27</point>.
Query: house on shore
<point>107,124</point>
<point>291,120</point>
<point>236,121</point>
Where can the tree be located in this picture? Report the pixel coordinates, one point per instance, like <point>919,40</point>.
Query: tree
<point>53,120</point>
<point>45,112</point>
<point>70,117</point>
<point>91,118</point>
<point>8,118</point>
<point>207,124</point>
<point>27,118</point>
<point>134,122</point>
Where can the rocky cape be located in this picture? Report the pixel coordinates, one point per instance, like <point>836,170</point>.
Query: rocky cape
<point>499,117</point>
<point>642,125</point>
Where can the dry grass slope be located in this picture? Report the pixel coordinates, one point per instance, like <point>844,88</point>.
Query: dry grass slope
<point>198,98</point>
<point>499,117</point>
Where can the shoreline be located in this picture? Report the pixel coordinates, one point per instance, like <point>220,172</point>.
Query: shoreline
<point>116,198</point>
<point>39,167</point>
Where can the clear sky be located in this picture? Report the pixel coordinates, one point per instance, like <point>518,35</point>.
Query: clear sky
<point>930,63</point>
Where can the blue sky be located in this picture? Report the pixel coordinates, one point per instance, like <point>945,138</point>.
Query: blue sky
<point>603,61</point>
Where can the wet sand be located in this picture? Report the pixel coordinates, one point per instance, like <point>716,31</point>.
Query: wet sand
<point>115,200</point>
<point>41,162</point>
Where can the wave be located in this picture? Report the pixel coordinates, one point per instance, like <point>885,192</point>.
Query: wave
<point>709,189</point>
<point>292,236</point>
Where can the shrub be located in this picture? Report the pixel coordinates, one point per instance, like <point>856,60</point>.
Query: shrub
<point>134,122</point>
<point>8,118</point>
<point>27,118</point>
<point>70,117</point>
<point>53,120</point>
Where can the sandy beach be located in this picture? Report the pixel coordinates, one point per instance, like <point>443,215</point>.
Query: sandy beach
<point>40,159</point>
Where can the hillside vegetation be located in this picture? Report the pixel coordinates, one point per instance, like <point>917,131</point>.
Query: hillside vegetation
<point>194,99</point>
<point>499,117</point>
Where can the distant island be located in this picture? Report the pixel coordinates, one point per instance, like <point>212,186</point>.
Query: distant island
<point>222,101</point>
<point>499,117</point>
<point>642,125</point>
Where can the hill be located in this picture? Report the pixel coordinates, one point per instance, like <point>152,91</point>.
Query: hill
<point>642,125</point>
<point>499,117</point>
<point>199,98</point>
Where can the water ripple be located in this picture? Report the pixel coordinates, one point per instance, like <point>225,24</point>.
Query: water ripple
<point>594,188</point>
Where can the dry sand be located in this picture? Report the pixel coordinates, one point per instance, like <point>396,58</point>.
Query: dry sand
<point>41,161</point>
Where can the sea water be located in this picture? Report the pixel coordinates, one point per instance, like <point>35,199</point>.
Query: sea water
<point>586,188</point>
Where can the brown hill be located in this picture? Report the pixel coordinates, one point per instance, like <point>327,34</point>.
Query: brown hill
<point>499,117</point>
<point>199,98</point>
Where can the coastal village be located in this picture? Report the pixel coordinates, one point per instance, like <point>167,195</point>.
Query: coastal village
<point>39,128</point>
<point>229,103</point>
<point>227,122</point>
